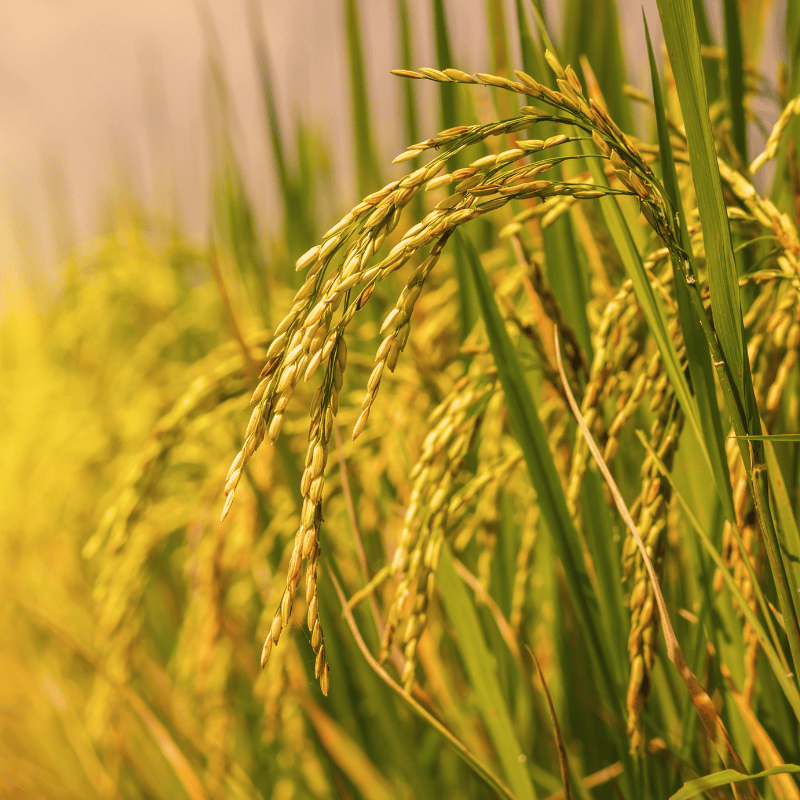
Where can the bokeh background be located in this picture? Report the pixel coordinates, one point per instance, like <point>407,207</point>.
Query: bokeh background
<point>100,97</point>
<point>132,136</point>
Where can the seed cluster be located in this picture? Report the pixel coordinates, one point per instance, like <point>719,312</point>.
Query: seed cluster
<point>776,135</point>
<point>649,512</point>
<point>344,269</point>
<point>774,327</point>
<point>306,547</point>
<point>617,358</point>
<point>340,274</point>
<point>416,558</point>
<point>132,531</point>
<point>623,374</point>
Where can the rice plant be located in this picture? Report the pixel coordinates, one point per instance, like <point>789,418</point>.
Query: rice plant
<point>556,556</point>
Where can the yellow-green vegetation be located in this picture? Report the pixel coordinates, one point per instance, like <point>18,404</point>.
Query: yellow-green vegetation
<point>556,555</point>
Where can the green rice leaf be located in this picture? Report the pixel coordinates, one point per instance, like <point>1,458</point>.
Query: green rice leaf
<point>653,313</point>
<point>591,29</point>
<point>482,671</point>
<point>537,8</point>
<point>270,108</point>
<point>498,50</point>
<point>366,160</point>
<point>297,186</point>
<point>793,41</point>
<point>545,480</point>
<point>727,776</point>
<point>775,437</point>
<point>772,652</point>
<point>460,748</point>
<point>680,33</point>
<point>444,57</point>
<point>563,254</point>
<point>468,303</point>
<point>532,58</point>
<point>697,352</point>
<point>600,535</point>
<point>410,119</point>
<point>565,272</point>
<point>407,54</point>
<point>449,117</point>
<point>786,520</point>
<point>706,38</point>
<point>735,61</point>
<point>681,37</point>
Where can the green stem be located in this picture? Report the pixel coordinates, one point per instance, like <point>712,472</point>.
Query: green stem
<point>760,487</point>
<point>753,457</point>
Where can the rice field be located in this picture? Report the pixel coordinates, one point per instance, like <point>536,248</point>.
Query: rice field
<point>487,486</point>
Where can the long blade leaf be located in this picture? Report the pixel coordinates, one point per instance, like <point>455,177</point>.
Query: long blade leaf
<point>778,667</point>
<point>696,346</point>
<point>482,671</point>
<point>460,748</point>
<point>735,62</point>
<point>544,477</point>
<point>366,158</point>
<point>680,34</point>
<point>653,313</point>
<point>727,776</point>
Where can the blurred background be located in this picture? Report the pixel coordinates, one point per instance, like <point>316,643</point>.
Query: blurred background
<point>96,96</point>
<point>162,166</point>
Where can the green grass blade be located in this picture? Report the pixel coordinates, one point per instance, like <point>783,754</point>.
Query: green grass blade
<point>410,117</point>
<point>298,228</point>
<point>783,585</point>
<point>347,754</point>
<point>449,117</point>
<point>468,303</point>
<point>545,480</point>
<point>567,278</point>
<point>268,100</point>
<point>606,560</point>
<point>697,352</point>
<point>235,221</point>
<point>498,37</point>
<point>782,193</point>
<point>532,59</point>
<point>773,655</point>
<point>481,668</point>
<point>356,688</point>
<point>786,521</point>
<point>448,98</point>
<point>538,14</point>
<point>735,63</point>
<point>680,33</point>
<point>312,176</point>
<point>775,437</point>
<point>669,176</point>
<point>359,699</point>
<point>498,49</point>
<point>727,776</point>
<point>460,748</point>
<point>233,213</point>
<point>365,155</point>
<point>793,41</point>
<point>707,38</point>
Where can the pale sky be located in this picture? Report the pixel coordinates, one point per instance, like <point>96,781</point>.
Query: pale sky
<point>87,84</point>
